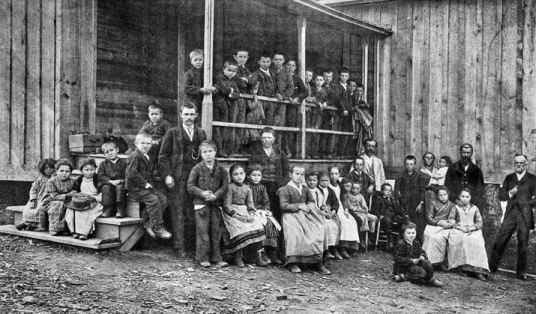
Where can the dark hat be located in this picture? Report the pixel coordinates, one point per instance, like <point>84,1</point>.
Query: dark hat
<point>79,202</point>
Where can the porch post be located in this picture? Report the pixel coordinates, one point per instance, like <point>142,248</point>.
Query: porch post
<point>206,119</point>
<point>302,26</point>
<point>365,67</point>
<point>180,66</point>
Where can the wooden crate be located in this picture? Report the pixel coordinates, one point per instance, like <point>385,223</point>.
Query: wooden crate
<point>85,143</point>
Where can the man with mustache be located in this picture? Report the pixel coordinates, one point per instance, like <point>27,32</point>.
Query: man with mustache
<point>519,189</point>
<point>373,165</point>
<point>179,153</point>
<point>465,174</point>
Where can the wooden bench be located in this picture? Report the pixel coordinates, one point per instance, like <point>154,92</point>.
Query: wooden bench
<point>121,233</point>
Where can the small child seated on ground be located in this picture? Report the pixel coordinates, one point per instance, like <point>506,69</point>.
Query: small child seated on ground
<point>33,215</point>
<point>272,228</point>
<point>243,227</point>
<point>208,182</point>
<point>84,208</point>
<point>357,207</point>
<point>111,176</point>
<point>156,126</point>
<point>411,262</point>
<point>139,183</point>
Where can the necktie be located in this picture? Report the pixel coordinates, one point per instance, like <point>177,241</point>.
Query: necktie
<point>190,133</point>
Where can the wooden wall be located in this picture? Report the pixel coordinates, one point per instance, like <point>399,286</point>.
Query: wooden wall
<point>39,88</point>
<point>137,46</point>
<point>457,71</point>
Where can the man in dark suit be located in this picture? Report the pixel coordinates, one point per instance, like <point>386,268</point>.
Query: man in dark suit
<point>519,189</point>
<point>465,174</point>
<point>179,153</point>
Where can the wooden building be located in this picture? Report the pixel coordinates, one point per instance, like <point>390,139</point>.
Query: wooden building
<point>458,71</point>
<point>75,66</point>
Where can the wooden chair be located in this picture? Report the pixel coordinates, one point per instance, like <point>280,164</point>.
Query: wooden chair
<point>381,236</point>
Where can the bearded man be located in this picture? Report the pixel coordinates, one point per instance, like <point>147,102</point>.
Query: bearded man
<point>465,174</point>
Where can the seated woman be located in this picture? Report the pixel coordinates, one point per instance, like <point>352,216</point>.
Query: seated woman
<point>466,249</point>
<point>303,224</point>
<point>440,221</point>
<point>243,227</point>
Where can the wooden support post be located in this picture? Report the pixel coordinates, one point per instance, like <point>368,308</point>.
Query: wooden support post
<point>88,65</point>
<point>57,75</point>
<point>365,68</point>
<point>180,66</point>
<point>5,77</point>
<point>378,99</point>
<point>302,27</point>
<point>206,119</point>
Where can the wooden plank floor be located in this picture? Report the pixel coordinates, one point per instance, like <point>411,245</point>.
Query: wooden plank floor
<point>91,243</point>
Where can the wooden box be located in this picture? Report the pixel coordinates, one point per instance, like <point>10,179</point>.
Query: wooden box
<point>85,143</point>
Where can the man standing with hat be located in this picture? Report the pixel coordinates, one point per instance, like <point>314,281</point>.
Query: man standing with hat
<point>519,190</point>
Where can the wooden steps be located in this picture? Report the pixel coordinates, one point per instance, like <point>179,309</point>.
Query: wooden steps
<point>121,233</point>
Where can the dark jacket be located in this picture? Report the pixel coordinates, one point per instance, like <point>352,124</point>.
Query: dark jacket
<point>170,159</point>
<point>156,130</point>
<point>224,87</point>
<point>139,172</point>
<point>410,189</point>
<point>300,90</point>
<point>283,82</point>
<point>193,82</point>
<point>331,200</point>
<point>364,179</point>
<point>258,156</point>
<point>404,253</point>
<point>111,171</point>
<point>381,206</point>
<point>523,201</point>
<point>202,179</point>
<point>267,85</point>
<point>343,98</point>
<point>242,85</point>
<point>457,179</point>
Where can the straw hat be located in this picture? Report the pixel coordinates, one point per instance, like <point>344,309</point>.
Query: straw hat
<point>80,203</point>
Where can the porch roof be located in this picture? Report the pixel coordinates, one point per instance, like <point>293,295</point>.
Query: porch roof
<point>322,14</point>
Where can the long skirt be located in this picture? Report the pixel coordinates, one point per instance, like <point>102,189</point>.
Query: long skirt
<point>332,232</point>
<point>348,227</point>
<point>467,249</point>
<point>82,222</point>
<point>34,215</point>
<point>304,236</point>
<point>272,229</point>
<point>56,217</point>
<point>435,243</point>
<point>237,234</point>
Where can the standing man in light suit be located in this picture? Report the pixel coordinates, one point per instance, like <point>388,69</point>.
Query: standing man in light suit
<point>373,164</point>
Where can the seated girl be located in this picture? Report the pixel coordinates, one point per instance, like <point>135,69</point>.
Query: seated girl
<point>262,203</point>
<point>466,248</point>
<point>33,215</point>
<point>440,221</point>
<point>59,189</point>
<point>243,227</point>
<point>303,224</point>
<point>81,221</point>
<point>328,204</point>
<point>357,207</point>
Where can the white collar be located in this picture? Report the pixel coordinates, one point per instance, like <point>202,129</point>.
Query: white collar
<point>114,161</point>
<point>520,176</point>
<point>267,72</point>
<point>295,186</point>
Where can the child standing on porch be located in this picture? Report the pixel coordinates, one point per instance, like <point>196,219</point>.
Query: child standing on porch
<point>320,96</point>
<point>225,102</point>
<point>193,82</point>
<point>156,126</point>
<point>33,214</point>
<point>245,81</point>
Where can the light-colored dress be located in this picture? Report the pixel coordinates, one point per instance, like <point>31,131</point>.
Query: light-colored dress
<point>435,237</point>
<point>240,234</point>
<point>38,193</point>
<point>441,174</point>
<point>349,234</point>
<point>468,249</point>
<point>305,236</point>
<point>83,222</point>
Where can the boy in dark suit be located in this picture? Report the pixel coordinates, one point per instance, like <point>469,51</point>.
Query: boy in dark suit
<point>267,87</point>
<point>225,107</point>
<point>139,183</point>
<point>193,81</point>
<point>388,211</point>
<point>111,176</point>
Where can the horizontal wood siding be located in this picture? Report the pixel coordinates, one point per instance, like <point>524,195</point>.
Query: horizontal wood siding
<point>461,71</point>
<point>136,62</point>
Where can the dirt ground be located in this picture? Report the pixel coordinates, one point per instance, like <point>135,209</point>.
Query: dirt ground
<point>39,277</point>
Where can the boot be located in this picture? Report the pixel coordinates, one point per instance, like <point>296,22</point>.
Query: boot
<point>108,211</point>
<point>238,259</point>
<point>259,260</point>
<point>272,254</point>
<point>323,269</point>
<point>344,254</point>
<point>121,210</point>
<point>265,258</point>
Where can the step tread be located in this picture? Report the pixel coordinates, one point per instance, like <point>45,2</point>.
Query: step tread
<point>108,221</point>
<point>91,243</point>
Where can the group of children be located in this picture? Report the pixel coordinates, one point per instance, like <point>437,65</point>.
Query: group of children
<point>277,78</point>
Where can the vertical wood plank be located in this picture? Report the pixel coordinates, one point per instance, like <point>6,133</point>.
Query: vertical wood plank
<point>444,57</point>
<point>510,124</point>
<point>426,73</point>
<point>364,67</point>
<point>88,65</point>
<point>302,31</point>
<point>417,100</point>
<point>57,78</point>
<point>529,79</point>
<point>33,89</point>
<point>478,121</point>
<point>390,15</point>
<point>206,121</point>
<point>48,47</point>
<point>5,77</point>
<point>18,81</point>
<point>181,55</point>
<point>491,84</point>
